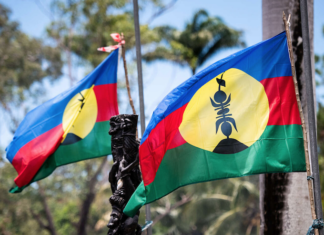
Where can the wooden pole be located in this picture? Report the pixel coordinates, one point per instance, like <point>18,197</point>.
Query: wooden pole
<point>126,75</point>
<point>140,91</point>
<point>293,70</point>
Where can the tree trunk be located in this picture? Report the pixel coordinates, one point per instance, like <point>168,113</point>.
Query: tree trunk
<point>88,200</point>
<point>193,70</point>
<point>284,200</point>
<point>50,227</point>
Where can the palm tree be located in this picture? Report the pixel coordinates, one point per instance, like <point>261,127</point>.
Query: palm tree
<point>200,39</point>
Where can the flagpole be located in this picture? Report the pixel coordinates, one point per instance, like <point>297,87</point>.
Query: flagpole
<point>140,90</point>
<point>293,70</point>
<point>311,111</point>
<point>123,49</point>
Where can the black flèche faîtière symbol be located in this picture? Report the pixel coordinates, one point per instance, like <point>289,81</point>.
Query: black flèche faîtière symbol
<point>221,104</point>
<point>82,101</point>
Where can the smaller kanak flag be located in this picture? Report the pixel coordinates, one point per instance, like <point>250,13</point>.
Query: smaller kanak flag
<point>71,127</point>
<point>237,117</point>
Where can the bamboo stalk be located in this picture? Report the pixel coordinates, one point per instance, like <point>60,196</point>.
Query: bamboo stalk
<point>126,75</point>
<point>293,70</point>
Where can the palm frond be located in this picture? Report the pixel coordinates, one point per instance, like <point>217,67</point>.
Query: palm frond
<point>198,18</point>
<point>214,228</point>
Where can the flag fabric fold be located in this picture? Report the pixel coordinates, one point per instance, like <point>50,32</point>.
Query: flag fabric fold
<point>71,127</point>
<point>237,117</point>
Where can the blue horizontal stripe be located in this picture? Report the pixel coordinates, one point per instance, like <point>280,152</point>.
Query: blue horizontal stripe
<point>267,59</point>
<point>49,115</point>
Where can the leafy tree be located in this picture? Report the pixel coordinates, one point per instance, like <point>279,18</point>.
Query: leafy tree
<point>63,203</point>
<point>56,205</point>
<point>200,39</point>
<point>319,70</point>
<point>23,62</point>
<point>83,26</point>
<point>320,142</point>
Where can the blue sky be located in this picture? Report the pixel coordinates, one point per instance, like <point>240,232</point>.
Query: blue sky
<point>161,77</point>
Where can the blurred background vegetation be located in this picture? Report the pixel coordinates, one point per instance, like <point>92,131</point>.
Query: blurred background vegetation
<point>74,200</point>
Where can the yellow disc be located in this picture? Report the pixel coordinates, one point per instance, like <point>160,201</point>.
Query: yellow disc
<point>80,116</point>
<point>249,107</point>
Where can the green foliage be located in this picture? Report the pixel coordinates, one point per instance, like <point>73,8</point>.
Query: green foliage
<point>320,142</point>
<point>64,193</point>
<point>319,66</point>
<point>83,26</point>
<point>200,39</point>
<point>319,70</point>
<point>24,60</point>
<point>13,210</point>
<point>217,207</point>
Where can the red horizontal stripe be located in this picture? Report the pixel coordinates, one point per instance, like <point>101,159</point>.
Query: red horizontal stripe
<point>31,156</point>
<point>106,96</point>
<point>283,107</point>
<point>163,137</point>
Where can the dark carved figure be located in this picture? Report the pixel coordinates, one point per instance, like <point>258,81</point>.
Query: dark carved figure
<point>221,104</point>
<point>124,176</point>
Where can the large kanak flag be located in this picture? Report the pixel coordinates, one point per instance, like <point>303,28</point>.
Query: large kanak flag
<point>71,127</point>
<point>237,117</point>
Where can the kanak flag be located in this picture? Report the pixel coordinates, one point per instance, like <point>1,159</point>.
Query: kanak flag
<point>71,127</point>
<point>237,117</point>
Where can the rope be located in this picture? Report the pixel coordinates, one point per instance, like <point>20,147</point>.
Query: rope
<point>317,224</point>
<point>146,225</point>
<point>310,177</point>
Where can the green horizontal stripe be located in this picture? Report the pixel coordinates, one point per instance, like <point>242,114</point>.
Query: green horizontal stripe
<point>279,149</point>
<point>96,144</point>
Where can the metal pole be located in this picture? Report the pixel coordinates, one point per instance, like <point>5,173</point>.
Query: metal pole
<point>311,111</point>
<point>140,90</point>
